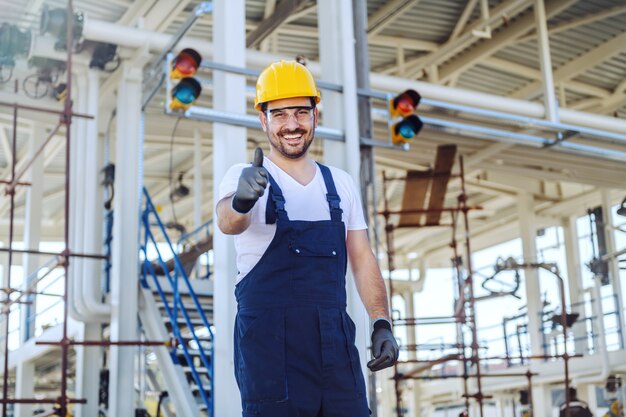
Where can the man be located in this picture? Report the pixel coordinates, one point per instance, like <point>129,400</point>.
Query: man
<point>577,408</point>
<point>294,341</point>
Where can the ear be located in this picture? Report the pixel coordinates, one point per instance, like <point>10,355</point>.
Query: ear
<point>315,115</point>
<point>263,119</point>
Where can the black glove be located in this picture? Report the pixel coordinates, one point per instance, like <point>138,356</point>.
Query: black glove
<point>385,349</point>
<point>252,183</point>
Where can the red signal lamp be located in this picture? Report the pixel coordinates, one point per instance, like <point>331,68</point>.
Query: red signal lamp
<point>404,104</point>
<point>185,93</point>
<point>406,129</point>
<point>185,64</point>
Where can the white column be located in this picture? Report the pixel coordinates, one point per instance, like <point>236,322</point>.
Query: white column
<point>88,371</point>
<point>574,279</point>
<point>545,61</point>
<point>197,184</point>
<point>609,233</point>
<point>528,233</point>
<point>32,236</point>
<point>125,250</point>
<point>24,382</point>
<point>337,59</point>
<point>229,147</point>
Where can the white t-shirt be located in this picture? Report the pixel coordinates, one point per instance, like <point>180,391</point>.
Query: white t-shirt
<point>302,202</point>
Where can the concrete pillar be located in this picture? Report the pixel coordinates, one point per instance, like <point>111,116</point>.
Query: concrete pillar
<point>32,236</point>
<point>574,279</point>
<point>229,147</point>
<point>337,58</point>
<point>125,250</point>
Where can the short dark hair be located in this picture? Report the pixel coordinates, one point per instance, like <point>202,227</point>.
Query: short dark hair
<point>264,105</point>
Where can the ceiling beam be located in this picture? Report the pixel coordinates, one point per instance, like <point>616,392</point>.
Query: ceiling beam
<point>6,147</point>
<point>460,24</point>
<point>578,65</point>
<point>282,12</point>
<point>270,6</point>
<point>535,74</point>
<point>590,18</point>
<point>387,14</point>
<point>499,40</point>
<point>452,47</point>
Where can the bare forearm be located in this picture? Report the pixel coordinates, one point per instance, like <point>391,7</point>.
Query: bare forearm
<point>229,221</point>
<point>371,287</point>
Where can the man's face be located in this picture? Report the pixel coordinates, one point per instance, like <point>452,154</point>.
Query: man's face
<point>290,126</point>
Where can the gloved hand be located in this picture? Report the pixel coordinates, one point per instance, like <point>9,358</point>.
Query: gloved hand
<point>385,349</point>
<point>252,183</point>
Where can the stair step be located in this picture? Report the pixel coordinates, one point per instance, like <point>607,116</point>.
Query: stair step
<point>200,370</point>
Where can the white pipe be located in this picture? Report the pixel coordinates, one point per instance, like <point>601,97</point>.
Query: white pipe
<point>94,216</point>
<point>81,308</point>
<point>76,197</point>
<point>95,30</point>
<point>603,374</point>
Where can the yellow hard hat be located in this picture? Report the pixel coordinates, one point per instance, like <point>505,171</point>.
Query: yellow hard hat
<point>285,79</point>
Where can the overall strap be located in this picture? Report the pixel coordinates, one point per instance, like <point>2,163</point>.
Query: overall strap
<point>331,195</point>
<point>275,207</point>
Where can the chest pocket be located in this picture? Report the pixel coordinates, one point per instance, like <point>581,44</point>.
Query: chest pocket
<point>315,272</point>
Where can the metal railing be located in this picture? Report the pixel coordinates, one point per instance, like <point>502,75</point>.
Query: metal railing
<point>176,308</point>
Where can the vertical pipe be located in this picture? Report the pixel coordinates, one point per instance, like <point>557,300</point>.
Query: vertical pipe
<point>470,285</point>
<point>5,376</point>
<point>67,119</point>
<point>545,61</point>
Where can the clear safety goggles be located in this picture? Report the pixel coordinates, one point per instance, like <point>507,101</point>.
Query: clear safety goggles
<point>280,116</point>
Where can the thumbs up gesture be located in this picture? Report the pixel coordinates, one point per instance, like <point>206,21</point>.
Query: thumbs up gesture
<point>252,183</point>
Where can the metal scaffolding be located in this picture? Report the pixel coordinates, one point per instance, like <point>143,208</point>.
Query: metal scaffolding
<point>465,309</point>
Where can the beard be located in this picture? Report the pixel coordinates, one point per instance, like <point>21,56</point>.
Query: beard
<point>292,150</point>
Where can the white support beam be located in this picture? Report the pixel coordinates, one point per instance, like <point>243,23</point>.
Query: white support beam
<point>504,37</point>
<point>338,65</point>
<point>6,146</point>
<point>284,9</point>
<point>460,24</point>
<point>534,74</point>
<point>125,250</point>
<point>545,61</point>
<point>229,147</point>
<point>387,14</point>
<point>578,65</point>
<point>270,6</point>
<point>528,233</point>
<point>590,18</point>
<point>574,280</point>
<point>452,47</point>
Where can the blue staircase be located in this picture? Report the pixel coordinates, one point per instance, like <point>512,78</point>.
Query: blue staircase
<point>183,315</point>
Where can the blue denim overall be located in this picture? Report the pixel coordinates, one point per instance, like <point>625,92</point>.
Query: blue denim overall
<point>294,341</point>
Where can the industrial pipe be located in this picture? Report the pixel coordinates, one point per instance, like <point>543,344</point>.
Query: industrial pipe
<point>100,31</point>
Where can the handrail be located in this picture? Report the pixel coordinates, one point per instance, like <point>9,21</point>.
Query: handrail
<point>178,272</point>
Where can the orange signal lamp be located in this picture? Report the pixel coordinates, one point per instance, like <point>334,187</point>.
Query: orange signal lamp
<point>185,93</point>
<point>185,64</point>
<point>404,104</point>
<point>405,130</point>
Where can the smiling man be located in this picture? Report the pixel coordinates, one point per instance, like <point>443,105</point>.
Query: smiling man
<point>294,341</point>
